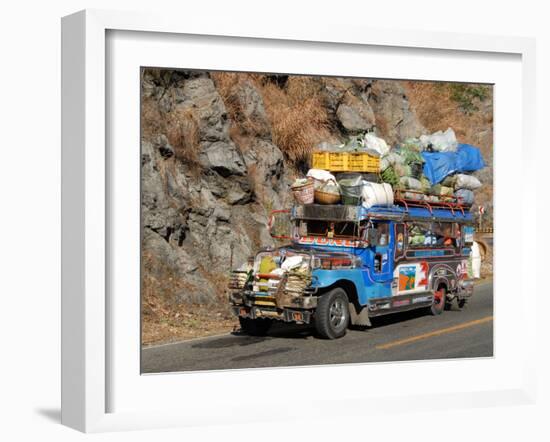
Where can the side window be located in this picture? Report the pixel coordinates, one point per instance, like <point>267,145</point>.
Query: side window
<point>433,234</point>
<point>420,234</point>
<point>447,234</point>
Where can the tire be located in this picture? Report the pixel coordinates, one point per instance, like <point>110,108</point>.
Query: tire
<point>332,314</point>
<point>462,303</point>
<point>438,304</point>
<point>255,327</point>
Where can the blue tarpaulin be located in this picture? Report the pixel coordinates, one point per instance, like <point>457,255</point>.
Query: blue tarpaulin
<point>437,165</point>
<point>469,158</point>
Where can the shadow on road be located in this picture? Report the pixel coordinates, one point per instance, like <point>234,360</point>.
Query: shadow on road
<point>225,341</point>
<point>263,354</point>
<point>305,331</point>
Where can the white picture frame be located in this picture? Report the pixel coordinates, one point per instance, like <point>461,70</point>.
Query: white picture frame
<point>87,355</point>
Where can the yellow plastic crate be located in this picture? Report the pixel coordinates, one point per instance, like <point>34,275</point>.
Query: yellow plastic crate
<point>345,161</point>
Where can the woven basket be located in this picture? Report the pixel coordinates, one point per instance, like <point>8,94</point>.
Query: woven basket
<point>326,197</point>
<point>304,193</point>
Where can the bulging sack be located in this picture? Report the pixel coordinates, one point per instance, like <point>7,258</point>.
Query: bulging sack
<point>320,177</point>
<point>465,196</point>
<point>375,194</point>
<point>469,182</point>
<point>410,183</point>
<point>440,141</point>
<point>440,190</point>
<point>376,144</point>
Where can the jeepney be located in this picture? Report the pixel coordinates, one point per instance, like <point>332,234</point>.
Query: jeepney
<point>357,263</point>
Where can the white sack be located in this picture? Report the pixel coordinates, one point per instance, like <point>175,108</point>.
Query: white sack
<point>320,176</point>
<point>440,141</point>
<point>375,194</point>
<point>377,144</point>
<point>469,182</point>
<point>292,262</point>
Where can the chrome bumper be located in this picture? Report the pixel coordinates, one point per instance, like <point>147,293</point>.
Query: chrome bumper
<point>465,288</point>
<point>285,314</point>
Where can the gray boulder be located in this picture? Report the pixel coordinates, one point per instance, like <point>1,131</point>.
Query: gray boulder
<point>250,103</point>
<point>265,163</point>
<point>395,120</point>
<point>199,95</point>
<point>355,115</point>
<point>223,157</point>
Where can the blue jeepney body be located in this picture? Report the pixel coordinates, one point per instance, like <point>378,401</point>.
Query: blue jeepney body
<point>374,285</point>
<point>379,277</point>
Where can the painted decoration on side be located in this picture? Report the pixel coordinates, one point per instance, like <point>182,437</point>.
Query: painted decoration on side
<point>412,277</point>
<point>407,278</point>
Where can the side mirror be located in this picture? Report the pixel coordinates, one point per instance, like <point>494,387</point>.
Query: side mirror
<point>279,224</point>
<point>468,235</point>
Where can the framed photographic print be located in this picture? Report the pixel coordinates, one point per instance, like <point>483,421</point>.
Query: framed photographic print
<point>270,211</point>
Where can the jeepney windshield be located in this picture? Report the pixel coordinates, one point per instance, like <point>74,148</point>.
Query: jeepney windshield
<point>376,233</point>
<point>328,229</point>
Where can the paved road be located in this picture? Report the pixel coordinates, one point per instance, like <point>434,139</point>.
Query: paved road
<point>405,336</point>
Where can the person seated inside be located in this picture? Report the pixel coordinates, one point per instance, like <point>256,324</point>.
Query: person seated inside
<point>447,237</point>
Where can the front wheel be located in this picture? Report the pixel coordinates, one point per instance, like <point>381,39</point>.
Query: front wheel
<point>332,314</point>
<point>255,327</point>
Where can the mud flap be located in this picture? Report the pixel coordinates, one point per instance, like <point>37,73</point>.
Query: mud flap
<point>359,318</point>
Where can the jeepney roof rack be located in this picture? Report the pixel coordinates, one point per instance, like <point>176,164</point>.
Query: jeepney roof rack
<point>451,203</point>
<point>402,210</point>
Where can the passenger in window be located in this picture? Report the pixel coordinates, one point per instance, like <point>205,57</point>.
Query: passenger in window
<point>446,239</point>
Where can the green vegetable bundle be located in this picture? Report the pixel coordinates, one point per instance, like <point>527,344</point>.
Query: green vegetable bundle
<point>390,176</point>
<point>410,156</point>
<point>440,190</point>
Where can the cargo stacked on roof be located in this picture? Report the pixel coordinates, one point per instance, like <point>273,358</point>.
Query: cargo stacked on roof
<point>432,168</point>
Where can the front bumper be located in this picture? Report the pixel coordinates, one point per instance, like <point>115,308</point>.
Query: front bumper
<point>465,288</point>
<point>280,300</point>
<point>284,314</point>
<point>281,306</point>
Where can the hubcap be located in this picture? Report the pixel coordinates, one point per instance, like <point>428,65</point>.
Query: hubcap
<point>337,313</point>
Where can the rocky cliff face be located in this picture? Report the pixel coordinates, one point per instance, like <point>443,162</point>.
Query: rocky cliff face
<point>212,168</point>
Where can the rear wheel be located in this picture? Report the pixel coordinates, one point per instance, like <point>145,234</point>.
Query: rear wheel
<point>255,327</point>
<point>332,314</point>
<point>438,304</point>
<point>462,303</point>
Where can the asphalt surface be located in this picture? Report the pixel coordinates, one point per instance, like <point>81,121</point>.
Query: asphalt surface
<point>406,336</point>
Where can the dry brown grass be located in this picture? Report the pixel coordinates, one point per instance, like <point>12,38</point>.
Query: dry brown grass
<point>227,86</point>
<point>179,125</point>
<point>182,132</point>
<point>151,118</point>
<point>436,109</point>
<point>298,129</point>
<point>163,320</point>
<point>299,120</point>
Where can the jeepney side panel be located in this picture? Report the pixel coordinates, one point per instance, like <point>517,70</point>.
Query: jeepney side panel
<point>366,288</point>
<point>426,272</point>
<point>368,283</point>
